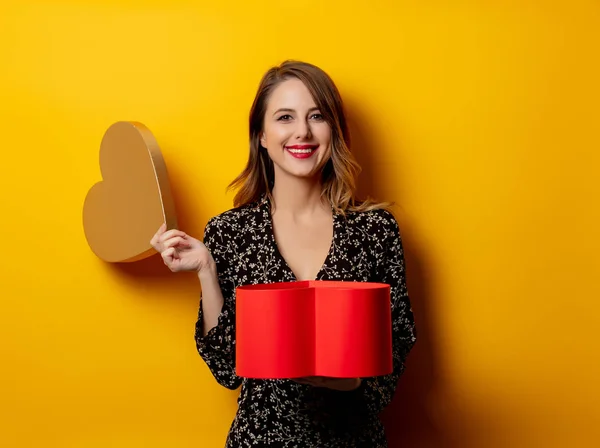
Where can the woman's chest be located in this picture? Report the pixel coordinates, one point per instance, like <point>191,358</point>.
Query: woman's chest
<point>257,259</point>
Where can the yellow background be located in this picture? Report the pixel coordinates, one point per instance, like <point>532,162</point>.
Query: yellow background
<point>480,119</point>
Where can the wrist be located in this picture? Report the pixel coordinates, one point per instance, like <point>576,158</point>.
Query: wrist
<point>207,273</point>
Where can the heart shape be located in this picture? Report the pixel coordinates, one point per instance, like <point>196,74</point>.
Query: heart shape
<point>122,212</point>
<point>313,328</point>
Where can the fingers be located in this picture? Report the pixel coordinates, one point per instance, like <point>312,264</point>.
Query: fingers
<point>175,241</point>
<point>340,384</point>
<point>168,256</point>
<point>157,235</point>
<point>162,238</point>
<point>318,381</point>
<point>309,381</point>
<point>172,245</point>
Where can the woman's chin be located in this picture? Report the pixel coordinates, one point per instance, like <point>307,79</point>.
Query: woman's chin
<point>303,173</point>
<point>299,169</point>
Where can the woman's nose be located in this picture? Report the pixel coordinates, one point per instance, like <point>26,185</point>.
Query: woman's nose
<point>302,130</point>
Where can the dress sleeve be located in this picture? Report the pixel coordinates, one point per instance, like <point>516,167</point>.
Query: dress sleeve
<point>377,392</point>
<point>217,348</point>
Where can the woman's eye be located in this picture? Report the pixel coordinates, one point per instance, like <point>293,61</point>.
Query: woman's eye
<point>288,117</point>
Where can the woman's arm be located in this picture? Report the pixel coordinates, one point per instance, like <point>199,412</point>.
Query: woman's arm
<point>215,326</point>
<point>212,298</point>
<point>377,392</point>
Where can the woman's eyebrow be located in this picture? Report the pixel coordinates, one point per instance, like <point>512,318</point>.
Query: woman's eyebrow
<point>287,109</point>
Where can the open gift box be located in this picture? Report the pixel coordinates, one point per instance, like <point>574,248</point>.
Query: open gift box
<point>313,328</point>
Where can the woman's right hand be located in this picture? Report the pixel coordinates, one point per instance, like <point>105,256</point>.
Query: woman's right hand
<point>181,252</point>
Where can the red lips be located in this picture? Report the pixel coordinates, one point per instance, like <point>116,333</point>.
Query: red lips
<point>301,151</point>
<point>302,146</point>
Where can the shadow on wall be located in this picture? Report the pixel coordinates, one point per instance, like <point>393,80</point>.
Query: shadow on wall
<point>413,418</point>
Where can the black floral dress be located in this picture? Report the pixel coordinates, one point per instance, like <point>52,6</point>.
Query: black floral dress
<point>282,413</point>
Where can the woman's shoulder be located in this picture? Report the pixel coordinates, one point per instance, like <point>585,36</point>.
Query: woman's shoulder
<point>237,219</point>
<point>378,218</point>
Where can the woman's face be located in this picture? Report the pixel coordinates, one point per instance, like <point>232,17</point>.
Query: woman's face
<point>296,136</point>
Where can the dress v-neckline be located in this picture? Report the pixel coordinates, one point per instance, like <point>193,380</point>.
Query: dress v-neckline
<point>270,230</point>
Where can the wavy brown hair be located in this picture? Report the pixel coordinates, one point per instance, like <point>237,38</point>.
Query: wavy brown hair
<point>338,176</point>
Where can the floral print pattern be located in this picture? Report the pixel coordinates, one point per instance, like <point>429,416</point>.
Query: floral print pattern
<point>366,247</point>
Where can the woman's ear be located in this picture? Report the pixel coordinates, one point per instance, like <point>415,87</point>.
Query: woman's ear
<point>263,140</point>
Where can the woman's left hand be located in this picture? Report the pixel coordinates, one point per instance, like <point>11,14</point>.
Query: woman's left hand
<point>341,384</point>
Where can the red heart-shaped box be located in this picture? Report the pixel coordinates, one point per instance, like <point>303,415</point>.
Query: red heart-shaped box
<point>313,328</point>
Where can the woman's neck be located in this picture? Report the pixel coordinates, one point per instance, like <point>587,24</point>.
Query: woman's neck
<point>297,196</point>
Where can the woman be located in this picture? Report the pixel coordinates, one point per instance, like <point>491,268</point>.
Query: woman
<point>296,218</point>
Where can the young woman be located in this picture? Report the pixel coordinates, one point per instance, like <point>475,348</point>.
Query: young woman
<point>296,218</point>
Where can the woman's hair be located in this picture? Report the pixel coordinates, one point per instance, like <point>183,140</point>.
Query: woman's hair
<point>338,176</point>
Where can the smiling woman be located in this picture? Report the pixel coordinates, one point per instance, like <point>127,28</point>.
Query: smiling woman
<point>298,111</point>
<point>295,133</point>
<point>296,217</point>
